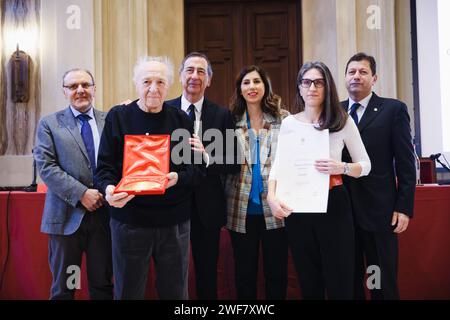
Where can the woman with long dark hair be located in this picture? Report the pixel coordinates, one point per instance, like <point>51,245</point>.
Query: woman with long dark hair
<point>258,114</point>
<point>322,244</point>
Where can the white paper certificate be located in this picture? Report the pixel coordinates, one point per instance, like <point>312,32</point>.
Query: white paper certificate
<point>299,184</point>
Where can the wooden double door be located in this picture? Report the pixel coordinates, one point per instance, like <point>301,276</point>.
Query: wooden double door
<point>234,34</point>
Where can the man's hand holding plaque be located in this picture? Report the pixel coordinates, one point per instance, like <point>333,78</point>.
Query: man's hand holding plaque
<point>117,200</point>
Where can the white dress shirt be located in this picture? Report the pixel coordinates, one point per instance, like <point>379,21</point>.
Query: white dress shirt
<point>198,111</point>
<point>185,104</point>
<point>364,103</point>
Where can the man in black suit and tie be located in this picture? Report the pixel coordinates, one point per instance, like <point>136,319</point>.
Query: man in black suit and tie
<point>209,206</point>
<point>382,201</point>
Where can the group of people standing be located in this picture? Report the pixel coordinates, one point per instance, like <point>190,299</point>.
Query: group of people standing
<point>371,194</point>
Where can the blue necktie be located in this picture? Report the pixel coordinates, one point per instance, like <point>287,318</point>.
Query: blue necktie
<point>191,112</point>
<point>88,138</point>
<point>353,113</point>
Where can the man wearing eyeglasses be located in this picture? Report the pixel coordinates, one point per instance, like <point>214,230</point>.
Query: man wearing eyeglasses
<point>66,151</point>
<point>383,201</point>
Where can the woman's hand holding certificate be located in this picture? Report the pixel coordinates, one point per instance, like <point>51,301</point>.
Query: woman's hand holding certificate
<point>279,209</point>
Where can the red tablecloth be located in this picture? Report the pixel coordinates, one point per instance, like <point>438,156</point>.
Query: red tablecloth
<point>424,259</point>
<point>424,264</point>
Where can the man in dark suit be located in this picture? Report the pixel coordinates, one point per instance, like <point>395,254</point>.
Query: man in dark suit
<point>65,152</point>
<point>209,206</point>
<point>382,201</point>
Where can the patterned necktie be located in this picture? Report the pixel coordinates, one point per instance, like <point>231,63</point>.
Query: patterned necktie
<point>88,138</point>
<point>353,113</point>
<point>191,113</point>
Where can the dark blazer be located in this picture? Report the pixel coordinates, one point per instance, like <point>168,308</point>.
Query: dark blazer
<point>209,196</point>
<point>390,186</point>
<point>64,166</point>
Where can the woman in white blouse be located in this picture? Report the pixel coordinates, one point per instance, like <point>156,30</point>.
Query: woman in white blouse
<point>322,245</point>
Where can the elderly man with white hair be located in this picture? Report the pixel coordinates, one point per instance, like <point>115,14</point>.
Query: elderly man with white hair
<point>148,226</point>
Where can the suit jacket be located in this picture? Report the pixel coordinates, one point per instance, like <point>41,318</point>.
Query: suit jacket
<point>238,186</point>
<point>209,196</point>
<point>390,186</point>
<point>64,166</point>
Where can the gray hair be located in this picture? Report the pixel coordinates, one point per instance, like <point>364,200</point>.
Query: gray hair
<point>162,59</point>
<point>75,70</point>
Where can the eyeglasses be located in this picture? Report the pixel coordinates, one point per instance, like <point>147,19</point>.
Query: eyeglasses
<point>318,83</point>
<point>75,86</point>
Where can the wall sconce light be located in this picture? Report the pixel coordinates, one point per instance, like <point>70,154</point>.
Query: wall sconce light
<point>20,76</point>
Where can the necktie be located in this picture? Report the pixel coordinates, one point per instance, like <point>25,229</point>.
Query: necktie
<point>191,112</point>
<point>353,113</point>
<point>88,138</point>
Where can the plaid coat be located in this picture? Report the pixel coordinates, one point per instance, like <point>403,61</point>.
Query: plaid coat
<point>238,186</point>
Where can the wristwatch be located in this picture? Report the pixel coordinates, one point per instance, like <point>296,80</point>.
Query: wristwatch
<point>346,168</point>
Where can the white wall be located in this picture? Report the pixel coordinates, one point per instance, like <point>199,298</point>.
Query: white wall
<point>444,61</point>
<point>434,82</point>
<point>63,48</point>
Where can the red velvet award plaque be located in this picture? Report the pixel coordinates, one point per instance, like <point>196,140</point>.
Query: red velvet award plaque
<point>145,164</point>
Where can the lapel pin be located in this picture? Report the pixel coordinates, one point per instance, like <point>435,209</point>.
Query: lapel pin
<point>375,109</point>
